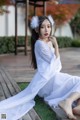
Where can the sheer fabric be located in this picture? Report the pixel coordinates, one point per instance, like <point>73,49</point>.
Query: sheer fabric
<point>48,65</point>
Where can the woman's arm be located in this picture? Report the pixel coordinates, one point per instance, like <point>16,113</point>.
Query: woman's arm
<point>44,51</point>
<point>54,42</point>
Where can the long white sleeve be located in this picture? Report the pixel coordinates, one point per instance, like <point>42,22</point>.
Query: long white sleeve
<point>44,51</point>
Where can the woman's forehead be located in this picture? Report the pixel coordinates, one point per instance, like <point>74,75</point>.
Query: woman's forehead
<point>45,22</point>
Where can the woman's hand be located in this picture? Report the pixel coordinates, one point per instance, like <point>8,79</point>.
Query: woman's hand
<point>54,41</point>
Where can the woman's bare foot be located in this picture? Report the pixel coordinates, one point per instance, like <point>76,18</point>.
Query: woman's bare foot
<point>67,107</point>
<point>76,110</point>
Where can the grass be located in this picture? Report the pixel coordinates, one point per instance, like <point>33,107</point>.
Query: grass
<point>43,110</point>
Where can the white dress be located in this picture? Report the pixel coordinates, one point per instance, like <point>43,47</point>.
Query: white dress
<point>60,86</point>
<point>48,82</point>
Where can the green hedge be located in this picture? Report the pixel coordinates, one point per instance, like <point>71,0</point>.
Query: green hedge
<point>64,42</point>
<point>76,43</point>
<point>7,44</point>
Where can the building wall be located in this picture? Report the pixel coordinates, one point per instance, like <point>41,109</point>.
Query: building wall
<point>2,25</point>
<point>64,30</point>
<point>7,22</point>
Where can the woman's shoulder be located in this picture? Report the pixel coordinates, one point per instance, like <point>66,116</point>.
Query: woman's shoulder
<point>39,43</point>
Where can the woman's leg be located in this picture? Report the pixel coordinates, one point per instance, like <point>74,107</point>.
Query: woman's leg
<point>66,104</point>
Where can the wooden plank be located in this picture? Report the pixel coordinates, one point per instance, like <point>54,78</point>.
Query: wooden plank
<point>4,86</point>
<point>1,91</point>
<point>2,97</point>
<point>7,83</point>
<point>26,117</point>
<point>34,115</point>
<point>13,82</point>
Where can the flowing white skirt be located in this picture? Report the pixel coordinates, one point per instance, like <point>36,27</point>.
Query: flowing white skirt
<point>59,88</point>
<point>15,107</point>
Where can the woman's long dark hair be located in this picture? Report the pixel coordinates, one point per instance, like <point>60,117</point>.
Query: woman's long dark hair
<point>34,38</point>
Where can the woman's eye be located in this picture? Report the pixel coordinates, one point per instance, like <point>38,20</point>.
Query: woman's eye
<point>49,26</point>
<point>46,26</point>
<point>42,27</point>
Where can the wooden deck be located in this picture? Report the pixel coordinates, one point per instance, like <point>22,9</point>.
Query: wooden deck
<point>19,69</point>
<point>8,88</point>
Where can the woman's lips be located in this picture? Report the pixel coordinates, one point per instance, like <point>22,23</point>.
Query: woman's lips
<point>46,34</point>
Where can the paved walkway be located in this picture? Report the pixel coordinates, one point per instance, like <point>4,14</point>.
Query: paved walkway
<point>70,58</point>
<point>20,69</point>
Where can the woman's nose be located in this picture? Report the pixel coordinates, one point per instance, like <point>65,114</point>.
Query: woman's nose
<point>46,29</point>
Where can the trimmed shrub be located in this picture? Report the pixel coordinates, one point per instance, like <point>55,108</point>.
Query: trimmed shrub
<point>7,44</point>
<point>64,42</point>
<point>76,43</point>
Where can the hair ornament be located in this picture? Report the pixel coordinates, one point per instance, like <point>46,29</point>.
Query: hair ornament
<point>51,19</point>
<point>34,22</point>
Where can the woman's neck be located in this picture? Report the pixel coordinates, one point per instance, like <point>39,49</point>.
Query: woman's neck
<point>44,39</point>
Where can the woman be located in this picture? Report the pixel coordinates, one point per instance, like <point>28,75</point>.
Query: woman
<point>15,107</point>
<point>62,89</point>
<point>57,89</point>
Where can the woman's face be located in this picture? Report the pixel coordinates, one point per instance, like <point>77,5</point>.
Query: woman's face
<point>45,29</point>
